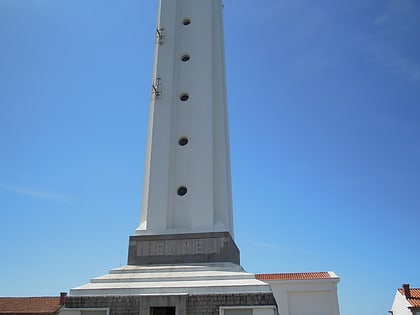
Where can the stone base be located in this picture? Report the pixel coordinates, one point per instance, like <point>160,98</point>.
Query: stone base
<point>182,248</point>
<point>209,278</point>
<point>208,304</point>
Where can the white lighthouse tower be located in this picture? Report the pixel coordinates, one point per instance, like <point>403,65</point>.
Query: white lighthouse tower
<point>187,186</point>
<point>182,259</point>
<point>186,214</point>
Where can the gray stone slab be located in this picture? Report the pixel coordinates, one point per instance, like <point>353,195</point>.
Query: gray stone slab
<point>182,248</point>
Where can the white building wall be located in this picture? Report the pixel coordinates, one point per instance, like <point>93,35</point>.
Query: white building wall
<point>306,297</point>
<point>256,310</point>
<point>400,305</point>
<point>85,311</point>
<point>203,165</point>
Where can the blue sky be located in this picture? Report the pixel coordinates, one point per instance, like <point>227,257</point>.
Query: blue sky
<point>324,105</point>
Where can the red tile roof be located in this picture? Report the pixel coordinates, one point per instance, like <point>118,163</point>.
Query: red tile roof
<point>294,276</point>
<point>414,300</point>
<point>29,305</point>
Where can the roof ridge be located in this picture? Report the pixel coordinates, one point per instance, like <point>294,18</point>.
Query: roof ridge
<point>293,272</point>
<point>317,275</point>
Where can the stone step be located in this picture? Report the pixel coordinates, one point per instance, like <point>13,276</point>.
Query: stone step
<point>188,287</point>
<point>153,277</point>
<point>159,279</point>
<point>178,268</point>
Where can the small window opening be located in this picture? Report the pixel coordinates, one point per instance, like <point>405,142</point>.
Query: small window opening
<point>184,97</point>
<point>182,191</point>
<point>185,57</point>
<point>186,21</point>
<point>183,141</point>
<point>162,311</point>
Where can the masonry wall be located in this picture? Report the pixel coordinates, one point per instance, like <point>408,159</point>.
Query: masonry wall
<point>210,304</point>
<point>127,305</point>
<point>185,304</point>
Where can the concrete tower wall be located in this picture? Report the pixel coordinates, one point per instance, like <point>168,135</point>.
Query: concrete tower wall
<point>202,166</point>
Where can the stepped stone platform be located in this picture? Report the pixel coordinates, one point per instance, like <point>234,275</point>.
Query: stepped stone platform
<point>187,289</point>
<point>206,278</point>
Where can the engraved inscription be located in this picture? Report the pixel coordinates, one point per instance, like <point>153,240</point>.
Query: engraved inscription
<point>181,247</point>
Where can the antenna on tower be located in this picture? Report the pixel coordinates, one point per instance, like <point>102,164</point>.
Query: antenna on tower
<point>156,89</point>
<point>160,37</point>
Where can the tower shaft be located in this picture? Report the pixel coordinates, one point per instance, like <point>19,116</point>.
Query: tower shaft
<point>187,185</point>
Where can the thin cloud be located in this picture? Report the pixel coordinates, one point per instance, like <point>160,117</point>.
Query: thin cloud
<point>392,58</point>
<point>399,13</point>
<point>36,193</point>
<point>399,20</point>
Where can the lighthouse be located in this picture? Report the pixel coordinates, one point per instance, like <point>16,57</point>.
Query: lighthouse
<point>186,213</point>
<point>182,257</point>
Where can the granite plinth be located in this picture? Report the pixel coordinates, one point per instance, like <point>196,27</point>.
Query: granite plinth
<point>188,304</point>
<point>182,248</point>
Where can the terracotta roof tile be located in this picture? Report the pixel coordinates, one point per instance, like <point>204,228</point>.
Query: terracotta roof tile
<point>415,297</point>
<point>29,305</point>
<point>294,276</point>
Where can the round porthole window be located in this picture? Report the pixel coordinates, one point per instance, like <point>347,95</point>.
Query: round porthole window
<point>186,21</point>
<point>183,141</point>
<point>184,97</point>
<point>185,57</point>
<point>182,191</point>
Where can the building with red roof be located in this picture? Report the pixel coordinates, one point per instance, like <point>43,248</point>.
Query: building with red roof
<point>31,305</point>
<point>304,293</point>
<point>406,301</point>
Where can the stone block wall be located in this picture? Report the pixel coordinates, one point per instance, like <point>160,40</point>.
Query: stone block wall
<point>209,304</point>
<point>205,304</point>
<point>118,305</point>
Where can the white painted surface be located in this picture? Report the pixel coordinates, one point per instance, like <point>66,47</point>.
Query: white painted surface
<point>250,310</point>
<point>306,297</point>
<point>173,279</point>
<point>83,311</point>
<point>203,165</point>
<point>264,311</point>
<point>400,305</point>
